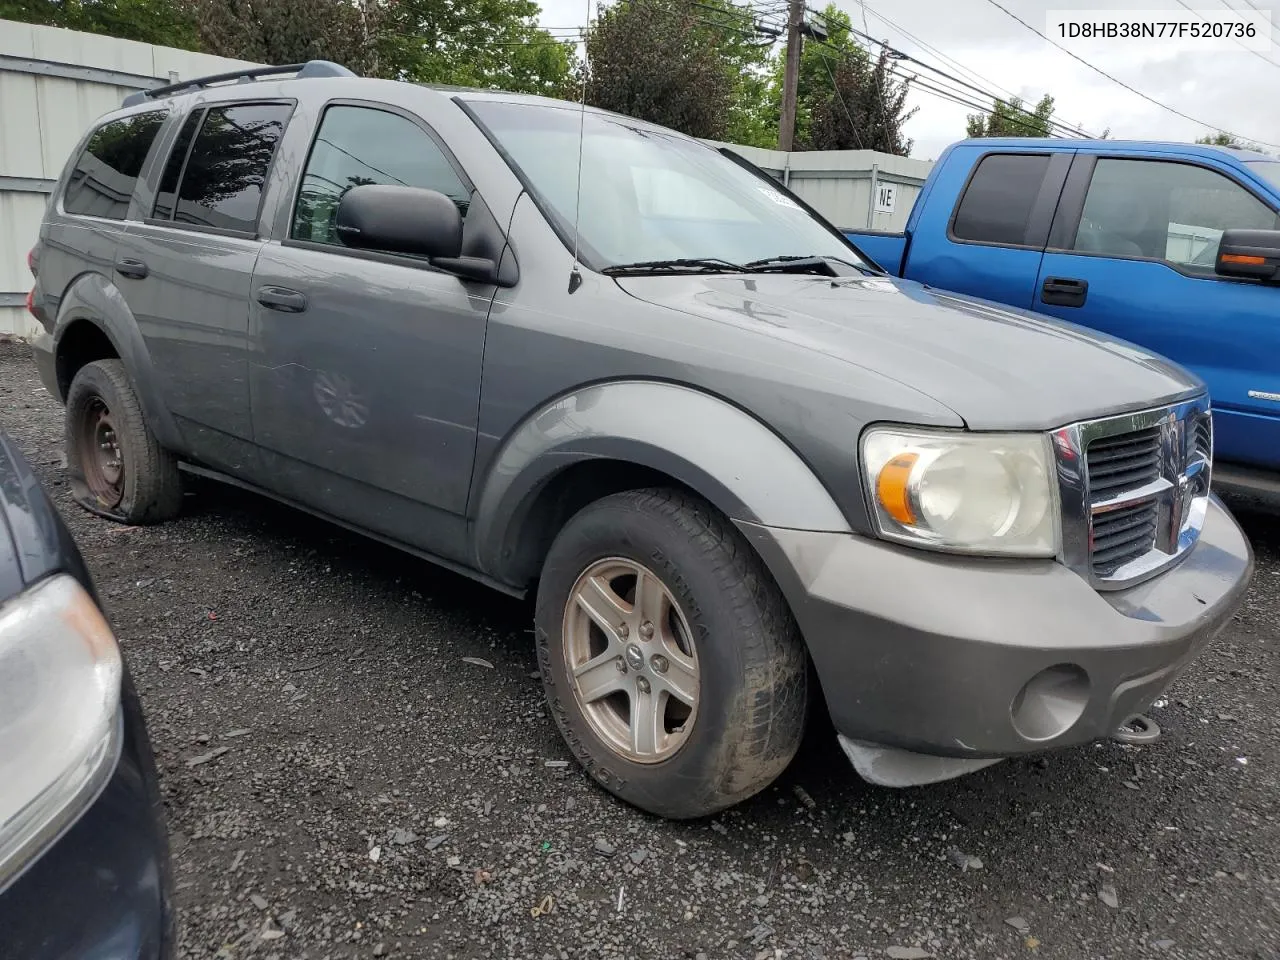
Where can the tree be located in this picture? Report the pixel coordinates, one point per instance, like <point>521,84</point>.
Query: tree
<point>1009,118</point>
<point>865,109</point>
<point>148,21</point>
<point>1224,139</point>
<point>656,60</point>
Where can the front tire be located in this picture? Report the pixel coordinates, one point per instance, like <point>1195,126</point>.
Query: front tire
<point>669,658</point>
<point>117,467</point>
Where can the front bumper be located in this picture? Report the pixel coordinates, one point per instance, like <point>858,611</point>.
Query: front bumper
<point>102,890</point>
<point>971,660</point>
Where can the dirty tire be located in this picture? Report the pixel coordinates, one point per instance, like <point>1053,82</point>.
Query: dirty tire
<point>151,489</point>
<point>753,679</point>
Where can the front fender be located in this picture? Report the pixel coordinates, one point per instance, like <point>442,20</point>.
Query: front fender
<point>732,459</point>
<point>94,298</point>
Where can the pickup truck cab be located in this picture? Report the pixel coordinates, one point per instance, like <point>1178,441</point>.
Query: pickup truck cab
<point>1123,237</point>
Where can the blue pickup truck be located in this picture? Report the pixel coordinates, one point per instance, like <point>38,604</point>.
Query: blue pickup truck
<point>1175,247</point>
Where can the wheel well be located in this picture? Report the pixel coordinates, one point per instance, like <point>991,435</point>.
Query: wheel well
<point>82,342</point>
<point>564,495</point>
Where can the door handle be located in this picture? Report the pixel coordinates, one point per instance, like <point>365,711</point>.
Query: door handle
<point>1064,292</point>
<point>131,268</point>
<point>282,299</point>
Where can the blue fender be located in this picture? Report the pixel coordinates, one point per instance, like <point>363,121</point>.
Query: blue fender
<point>711,446</point>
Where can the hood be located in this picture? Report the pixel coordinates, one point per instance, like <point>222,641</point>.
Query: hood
<point>996,367</point>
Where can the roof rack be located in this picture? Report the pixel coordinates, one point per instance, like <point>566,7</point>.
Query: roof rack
<point>300,71</point>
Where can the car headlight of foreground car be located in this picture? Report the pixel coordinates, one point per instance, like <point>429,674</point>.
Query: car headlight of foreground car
<point>981,493</point>
<point>60,675</point>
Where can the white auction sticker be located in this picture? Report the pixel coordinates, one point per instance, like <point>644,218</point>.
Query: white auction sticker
<point>1216,31</point>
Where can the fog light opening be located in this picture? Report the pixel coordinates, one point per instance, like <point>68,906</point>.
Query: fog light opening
<point>1051,702</point>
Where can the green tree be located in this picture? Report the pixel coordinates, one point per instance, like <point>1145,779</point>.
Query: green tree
<point>149,21</point>
<point>1221,139</point>
<point>865,109</point>
<point>1009,118</point>
<point>658,60</point>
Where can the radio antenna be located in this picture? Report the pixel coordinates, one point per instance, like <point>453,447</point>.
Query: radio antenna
<point>575,275</point>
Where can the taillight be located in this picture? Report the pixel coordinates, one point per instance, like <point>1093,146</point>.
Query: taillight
<point>31,302</point>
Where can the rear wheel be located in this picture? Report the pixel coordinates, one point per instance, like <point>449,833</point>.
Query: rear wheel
<point>118,469</point>
<point>670,660</point>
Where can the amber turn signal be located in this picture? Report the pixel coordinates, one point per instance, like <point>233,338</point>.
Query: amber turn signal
<point>891,487</point>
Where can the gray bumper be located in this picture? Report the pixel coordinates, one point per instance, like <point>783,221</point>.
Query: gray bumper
<point>46,365</point>
<point>977,659</point>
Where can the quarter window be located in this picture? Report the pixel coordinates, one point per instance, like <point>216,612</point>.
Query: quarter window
<point>106,173</point>
<point>1162,210</point>
<point>996,206</point>
<point>361,145</point>
<point>226,168</point>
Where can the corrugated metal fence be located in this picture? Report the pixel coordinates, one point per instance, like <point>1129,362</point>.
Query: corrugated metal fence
<point>54,83</point>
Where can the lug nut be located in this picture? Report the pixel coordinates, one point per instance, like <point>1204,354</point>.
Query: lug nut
<point>623,629</point>
<point>646,630</point>
<point>621,664</point>
<point>659,663</point>
<point>642,684</point>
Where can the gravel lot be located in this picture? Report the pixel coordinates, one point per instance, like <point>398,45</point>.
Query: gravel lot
<point>343,782</point>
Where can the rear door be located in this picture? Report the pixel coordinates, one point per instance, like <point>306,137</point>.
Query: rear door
<point>989,243</point>
<point>186,269</point>
<point>1132,253</point>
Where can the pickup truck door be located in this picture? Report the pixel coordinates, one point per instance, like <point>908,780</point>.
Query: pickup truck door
<point>1131,252</point>
<point>366,382</point>
<point>989,244</point>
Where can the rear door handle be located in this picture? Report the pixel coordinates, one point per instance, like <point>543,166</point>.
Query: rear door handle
<point>133,269</point>
<point>1064,292</point>
<point>282,299</point>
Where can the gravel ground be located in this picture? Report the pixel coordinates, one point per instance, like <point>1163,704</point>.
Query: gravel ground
<point>357,763</point>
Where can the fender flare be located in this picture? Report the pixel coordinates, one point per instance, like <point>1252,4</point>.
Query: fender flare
<point>93,298</point>
<point>711,446</point>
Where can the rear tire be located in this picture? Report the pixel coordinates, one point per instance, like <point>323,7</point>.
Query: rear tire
<point>723,630</point>
<point>117,467</point>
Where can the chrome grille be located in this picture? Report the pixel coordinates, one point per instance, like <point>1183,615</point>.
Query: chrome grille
<point>1134,490</point>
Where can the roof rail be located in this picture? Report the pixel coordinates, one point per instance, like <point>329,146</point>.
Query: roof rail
<point>300,71</point>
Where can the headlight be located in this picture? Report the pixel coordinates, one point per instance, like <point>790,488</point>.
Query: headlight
<point>59,715</point>
<point>984,493</point>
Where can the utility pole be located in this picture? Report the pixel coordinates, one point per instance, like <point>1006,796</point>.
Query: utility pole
<point>791,76</point>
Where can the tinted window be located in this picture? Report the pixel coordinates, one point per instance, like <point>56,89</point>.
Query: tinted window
<point>357,146</point>
<point>107,172</point>
<point>173,169</point>
<point>1164,211</point>
<point>225,173</point>
<point>996,207</point>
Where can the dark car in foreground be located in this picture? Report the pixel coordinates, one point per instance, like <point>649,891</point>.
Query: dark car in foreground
<point>718,444</point>
<point>84,858</point>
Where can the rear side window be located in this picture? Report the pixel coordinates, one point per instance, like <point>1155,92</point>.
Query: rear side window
<point>996,206</point>
<point>106,172</point>
<point>220,183</point>
<point>361,145</point>
<point>173,169</point>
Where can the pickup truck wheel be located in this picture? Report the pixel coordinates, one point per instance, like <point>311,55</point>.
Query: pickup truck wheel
<point>670,661</point>
<point>117,468</point>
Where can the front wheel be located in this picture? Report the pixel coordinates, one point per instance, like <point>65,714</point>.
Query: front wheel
<point>670,661</point>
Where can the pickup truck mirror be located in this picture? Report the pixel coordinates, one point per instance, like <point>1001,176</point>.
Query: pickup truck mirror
<point>394,219</point>
<point>1249,254</point>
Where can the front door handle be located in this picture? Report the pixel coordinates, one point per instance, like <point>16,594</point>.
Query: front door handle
<point>282,299</point>
<point>131,268</point>
<point>1064,292</point>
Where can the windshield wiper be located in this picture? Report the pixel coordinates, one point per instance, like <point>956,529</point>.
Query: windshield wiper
<point>681,265</point>
<point>793,263</point>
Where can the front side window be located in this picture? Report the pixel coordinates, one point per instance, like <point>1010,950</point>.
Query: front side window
<point>1162,210</point>
<point>106,173</point>
<point>1267,169</point>
<point>650,194</point>
<point>997,204</point>
<point>226,168</point>
<point>361,145</point>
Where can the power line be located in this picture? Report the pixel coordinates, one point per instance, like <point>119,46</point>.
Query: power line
<point>840,96</point>
<point>1103,73</point>
<point>1240,43</point>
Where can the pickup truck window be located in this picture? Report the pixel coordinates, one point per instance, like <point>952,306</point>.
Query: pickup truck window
<point>650,194</point>
<point>1164,210</point>
<point>362,145</point>
<point>102,183</point>
<point>996,206</point>
<point>227,166</point>
<point>1268,169</point>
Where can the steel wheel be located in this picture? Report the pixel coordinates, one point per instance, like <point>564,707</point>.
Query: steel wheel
<point>100,453</point>
<point>630,654</point>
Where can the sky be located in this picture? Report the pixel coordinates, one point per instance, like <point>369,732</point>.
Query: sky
<point>1225,85</point>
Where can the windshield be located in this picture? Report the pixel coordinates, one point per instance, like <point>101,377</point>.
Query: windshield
<point>1267,169</point>
<point>649,195</point>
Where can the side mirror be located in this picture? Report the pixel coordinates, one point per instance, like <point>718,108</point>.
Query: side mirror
<point>413,221</point>
<point>1249,254</point>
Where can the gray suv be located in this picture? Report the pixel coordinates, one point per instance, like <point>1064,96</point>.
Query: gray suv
<point>584,358</point>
